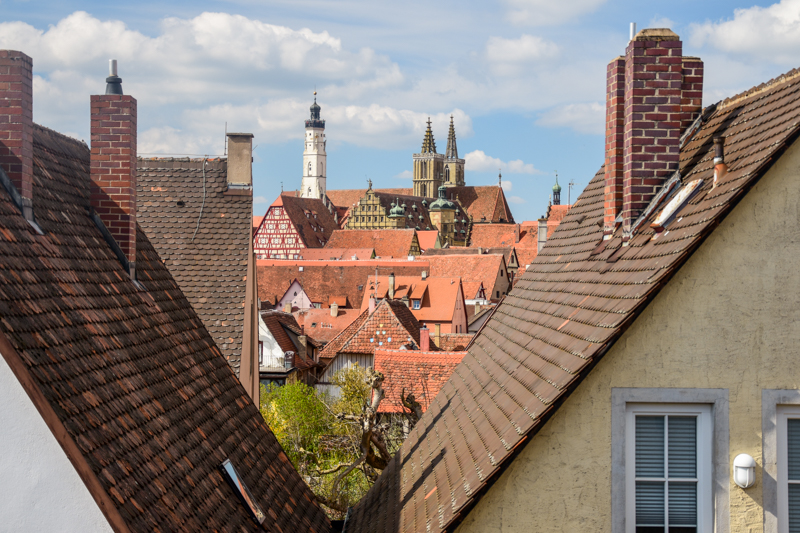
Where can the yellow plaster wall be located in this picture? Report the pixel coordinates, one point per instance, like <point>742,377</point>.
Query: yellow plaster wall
<point>730,318</point>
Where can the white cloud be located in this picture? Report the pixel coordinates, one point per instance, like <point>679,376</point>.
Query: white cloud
<point>260,200</point>
<point>510,56</point>
<point>662,22</point>
<point>405,175</point>
<point>584,117</point>
<point>516,200</point>
<point>548,12</point>
<point>478,161</point>
<point>506,185</point>
<point>768,33</point>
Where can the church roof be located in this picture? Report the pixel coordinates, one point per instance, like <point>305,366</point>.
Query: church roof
<point>452,149</point>
<point>428,144</point>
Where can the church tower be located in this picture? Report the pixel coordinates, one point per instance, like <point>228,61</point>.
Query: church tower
<point>453,166</point>
<point>314,158</point>
<point>556,193</point>
<point>428,167</point>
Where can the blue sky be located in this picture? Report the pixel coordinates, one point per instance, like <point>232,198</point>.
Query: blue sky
<point>525,79</point>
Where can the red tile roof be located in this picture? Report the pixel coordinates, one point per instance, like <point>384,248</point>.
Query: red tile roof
<point>387,243</point>
<point>322,280</point>
<point>257,222</point>
<point>483,268</point>
<point>211,268</point>
<point>391,325</point>
<point>337,254</point>
<point>322,326</point>
<point>472,289</point>
<point>350,197</point>
<point>312,220</point>
<point>455,342</point>
<point>427,239</point>
<point>579,296</point>
<point>438,295</point>
<point>494,235</point>
<point>484,204</point>
<point>130,378</point>
<point>418,373</point>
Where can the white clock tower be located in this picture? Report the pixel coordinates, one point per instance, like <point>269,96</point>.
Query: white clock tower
<point>314,158</point>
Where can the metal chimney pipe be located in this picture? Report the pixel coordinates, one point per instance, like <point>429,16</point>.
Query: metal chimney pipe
<point>112,67</point>
<point>113,82</point>
<point>633,30</point>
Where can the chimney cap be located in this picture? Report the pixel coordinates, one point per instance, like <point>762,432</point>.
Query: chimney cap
<point>656,34</point>
<point>113,82</point>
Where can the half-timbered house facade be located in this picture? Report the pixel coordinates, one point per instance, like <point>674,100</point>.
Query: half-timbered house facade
<point>291,225</point>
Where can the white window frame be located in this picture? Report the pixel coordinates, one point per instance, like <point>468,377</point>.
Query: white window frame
<point>773,402</point>
<point>705,501</point>
<point>783,414</point>
<point>717,402</point>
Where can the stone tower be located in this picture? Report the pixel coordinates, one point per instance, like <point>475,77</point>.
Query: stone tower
<point>556,193</point>
<point>314,157</point>
<point>442,213</point>
<point>428,167</point>
<point>453,166</point>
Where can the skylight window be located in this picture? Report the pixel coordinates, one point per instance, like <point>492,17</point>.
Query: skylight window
<point>240,488</point>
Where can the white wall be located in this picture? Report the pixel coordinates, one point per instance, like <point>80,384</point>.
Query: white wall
<point>39,488</point>
<point>299,300</point>
<point>273,354</point>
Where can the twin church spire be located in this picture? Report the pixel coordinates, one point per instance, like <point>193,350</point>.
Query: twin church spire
<point>433,170</point>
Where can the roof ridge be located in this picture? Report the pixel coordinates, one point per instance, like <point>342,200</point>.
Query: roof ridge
<point>759,89</point>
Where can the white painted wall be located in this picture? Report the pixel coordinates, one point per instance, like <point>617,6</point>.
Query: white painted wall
<point>297,296</point>
<point>273,354</point>
<point>39,488</point>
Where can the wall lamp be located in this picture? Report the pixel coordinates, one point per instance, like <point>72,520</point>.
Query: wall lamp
<point>744,470</point>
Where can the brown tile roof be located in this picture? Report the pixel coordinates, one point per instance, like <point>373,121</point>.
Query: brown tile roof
<point>349,197</point>
<point>427,239</point>
<point>273,322</point>
<point>420,373</point>
<point>322,326</point>
<point>387,243</point>
<point>562,316</point>
<point>494,235</point>
<point>438,295</point>
<point>312,220</point>
<point>210,269</point>
<point>131,375</point>
<point>483,268</point>
<point>322,280</point>
<point>484,204</point>
<point>337,254</point>
<point>391,325</point>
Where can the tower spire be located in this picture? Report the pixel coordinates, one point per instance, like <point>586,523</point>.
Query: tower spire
<point>452,149</point>
<point>428,144</point>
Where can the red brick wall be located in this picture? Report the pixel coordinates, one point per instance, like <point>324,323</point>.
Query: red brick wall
<point>16,120</point>
<point>113,193</point>
<point>615,125</point>
<point>691,91</point>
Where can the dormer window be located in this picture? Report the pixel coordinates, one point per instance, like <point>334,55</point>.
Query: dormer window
<point>416,304</point>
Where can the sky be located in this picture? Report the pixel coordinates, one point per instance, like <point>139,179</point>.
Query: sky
<point>523,79</point>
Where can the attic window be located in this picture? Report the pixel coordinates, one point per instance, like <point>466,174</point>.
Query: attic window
<point>240,488</point>
<point>313,324</point>
<point>361,287</point>
<point>181,203</point>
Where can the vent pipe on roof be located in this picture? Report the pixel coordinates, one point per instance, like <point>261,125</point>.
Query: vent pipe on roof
<point>334,309</point>
<point>113,82</point>
<point>720,168</point>
<point>391,286</point>
<point>633,31</point>
<point>424,275</point>
<point>371,304</point>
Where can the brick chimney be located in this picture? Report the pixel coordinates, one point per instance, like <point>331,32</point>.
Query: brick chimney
<point>16,124</point>
<point>113,165</point>
<point>424,339</point>
<point>652,95</point>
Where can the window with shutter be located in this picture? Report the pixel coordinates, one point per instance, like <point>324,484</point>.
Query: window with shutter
<point>789,469</point>
<point>668,468</point>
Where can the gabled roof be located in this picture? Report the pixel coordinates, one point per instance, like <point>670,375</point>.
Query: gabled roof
<point>257,222</point>
<point>337,254</point>
<point>566,311</point>
<point>312,220</point>
<point>438,295</point>
<point>484,204</point>
<point>322,326</point>
<point>387,243</point>
<point>127,377</point>
<point>471,289</point>
<point>494,235</point>
<point>211,268</point>
<point>419,373</point>
<point>272,319</point>
<point>391,325</point>
<point>483,267</point>
<point>428,239</point>
<point>323,280</point>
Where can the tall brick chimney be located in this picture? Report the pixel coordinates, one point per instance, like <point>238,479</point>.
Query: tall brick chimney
<point>113,165</point>
<point>16,124</point>
<point>652,95</point>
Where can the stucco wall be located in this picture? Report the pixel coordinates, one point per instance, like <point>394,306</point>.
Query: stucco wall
<point>39,488</point>
<point>729,319</point>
